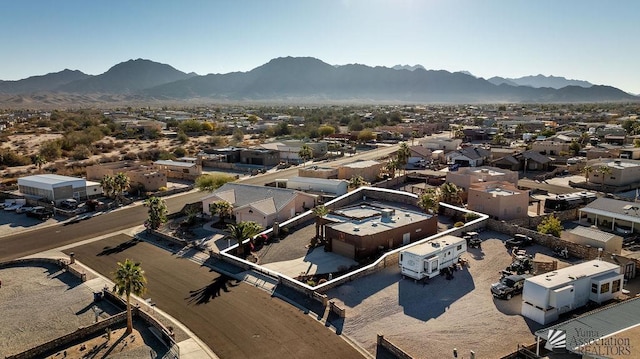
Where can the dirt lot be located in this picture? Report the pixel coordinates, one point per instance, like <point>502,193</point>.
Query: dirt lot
<point>234,319</point>
<point>41,303</point>
<point>428,321</point>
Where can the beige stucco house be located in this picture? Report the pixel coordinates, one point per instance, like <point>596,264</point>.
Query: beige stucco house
<point>500,200</point>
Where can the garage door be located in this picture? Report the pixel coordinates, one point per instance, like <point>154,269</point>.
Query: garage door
<point>343,249</point>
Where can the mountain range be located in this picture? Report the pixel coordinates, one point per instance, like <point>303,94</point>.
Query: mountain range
<point>296,80</point>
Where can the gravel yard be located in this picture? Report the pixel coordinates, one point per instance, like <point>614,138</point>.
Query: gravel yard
<point>41,303</point>
<point>429,320</point>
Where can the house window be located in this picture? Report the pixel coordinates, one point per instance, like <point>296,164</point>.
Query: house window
<point>459,247</point>
<point>615,286</point>
<point>612,177</point>
<point>604,288</point>
<point>594,288</point>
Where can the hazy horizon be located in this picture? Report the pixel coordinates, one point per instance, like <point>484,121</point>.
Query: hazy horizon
<point>573,39</point>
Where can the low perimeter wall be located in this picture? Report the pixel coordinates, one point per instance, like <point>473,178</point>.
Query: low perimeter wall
<point>397,352</point>
<point>89,330</point>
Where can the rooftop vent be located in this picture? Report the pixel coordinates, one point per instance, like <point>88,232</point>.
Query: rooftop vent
<point>356,229</point>
<point>374,224</point>
<point>387,212</point>
<point>407,214</point>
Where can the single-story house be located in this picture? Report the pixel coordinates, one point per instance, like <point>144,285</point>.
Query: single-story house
<point>57,188</point>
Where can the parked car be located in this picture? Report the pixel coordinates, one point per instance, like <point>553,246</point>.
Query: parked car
<point>40,213</point>
<point>519,240</point>
<point>473,240</point>
<point>13,207</point>
<point>508,287</point>
<point>24,209</point>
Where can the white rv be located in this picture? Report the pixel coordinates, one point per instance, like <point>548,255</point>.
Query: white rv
<point>546,296</point>
<point>427,259</point>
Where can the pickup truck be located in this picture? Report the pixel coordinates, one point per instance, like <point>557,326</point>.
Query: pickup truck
<point>40,213</point>
<point>508,286</point>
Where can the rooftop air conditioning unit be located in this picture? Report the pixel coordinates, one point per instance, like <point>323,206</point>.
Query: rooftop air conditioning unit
<point>356,229</point>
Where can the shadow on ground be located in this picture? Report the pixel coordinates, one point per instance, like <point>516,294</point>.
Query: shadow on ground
<point>119,248</point>
<point>209,292</point>
<point>430,301</point>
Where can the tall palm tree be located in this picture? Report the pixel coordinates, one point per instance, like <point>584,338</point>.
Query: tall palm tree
<point>157,212</point>
<point>587,170</point>
<point>357,182</point>
<point>121,183</point>
<point>429,201</point>
<point>391,167</point>
<point>242,231</point>
<point>604,171</point>
<point>108,185</point>
<point>320,211</point>
<point>306,153</point>
<point>403,156</point>
<point>129,279</point>
<point>450,193</point>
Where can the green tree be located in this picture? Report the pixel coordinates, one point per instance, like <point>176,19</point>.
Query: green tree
<point>121,183</point>
<point>222,208</point>
<point>429,201</point>
<point>574,148</point>
<point>366,136</point>
<point>391,167</point>
<point>305,153</point>
<point>108,185</point>
<point>326,130</point>
<point>603,171</point>
<point>450,193</point>
<point>51,150</point>
<point>238,135</point>
<point>129,279</point>
<point>551,225</point>
<point>211,182</point>
<point>319,211</point>
<point>39,161</point>
<point>355,125</point>
<point>403,156</point>
<point>242,231</point>
<point>157,212</point>
<point>357,182</point>
<point>587,170</point>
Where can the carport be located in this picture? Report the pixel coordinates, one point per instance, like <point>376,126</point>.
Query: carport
<point>618,212</point>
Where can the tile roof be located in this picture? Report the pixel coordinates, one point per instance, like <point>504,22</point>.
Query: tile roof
<point>244,194</point>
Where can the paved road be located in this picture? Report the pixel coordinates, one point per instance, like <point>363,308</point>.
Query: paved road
<point>239,322</point>
<point>38,240</point>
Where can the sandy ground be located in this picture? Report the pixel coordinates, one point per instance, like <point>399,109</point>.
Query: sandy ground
<point>41,303</point>
<point>428,321</point>
<point>235,320</point>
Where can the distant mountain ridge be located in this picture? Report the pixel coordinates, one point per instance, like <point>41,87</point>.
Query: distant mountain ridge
<point>540,81</point>
<point>292,80</point>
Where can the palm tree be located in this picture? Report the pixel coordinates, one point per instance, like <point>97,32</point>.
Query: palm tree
<point>320,212</point>
<point>306,153</point>
<point>157,212</point>
<point>450,193</point>
<point>108,185</point>
<point>587,170</point>
<point>429,201</point>
<point>604,171</point>
<point>357,182</point>
<point>121,183</point>
<point>391,167</point>
<point>242,231</point>
<point>39,161</point>
<point>403,156</point>
<point>129,279</point>
<point>221,208</point>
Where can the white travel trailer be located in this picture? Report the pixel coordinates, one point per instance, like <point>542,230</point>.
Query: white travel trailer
<point>427,259</point>
<point>546,296</point>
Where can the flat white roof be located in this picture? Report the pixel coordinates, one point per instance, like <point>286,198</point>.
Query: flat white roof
<point>569,274</point>
<point>174,163</point>
<point>434,245</point>
<point>50,179</point>
<point>361,164</point>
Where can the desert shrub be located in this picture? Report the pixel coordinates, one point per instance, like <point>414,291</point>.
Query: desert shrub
<point>162,189</point>
<point>81,152</point>
<point>458,224</point>
<point>180,152</point>
<point>130,156</point>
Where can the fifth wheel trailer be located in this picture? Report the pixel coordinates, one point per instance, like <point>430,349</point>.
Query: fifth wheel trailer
<point>427,259</point>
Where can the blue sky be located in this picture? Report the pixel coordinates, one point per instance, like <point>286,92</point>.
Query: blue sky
<point>588,40</point>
